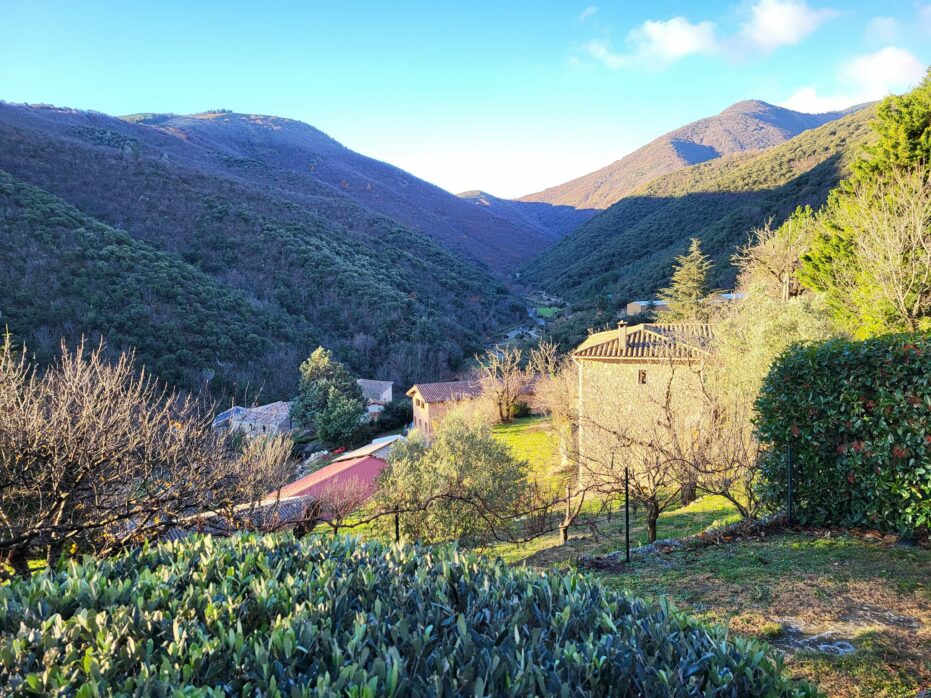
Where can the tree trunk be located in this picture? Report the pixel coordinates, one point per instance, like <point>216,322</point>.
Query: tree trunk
<point>567,519</point>
<point>563,533</point>
<point>652,512</point>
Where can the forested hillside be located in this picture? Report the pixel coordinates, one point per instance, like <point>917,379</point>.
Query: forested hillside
<point>548,218</point>
<point>289,157</point>
<point>748,125</point>
<point>238,309</point>
<point>627,250</point>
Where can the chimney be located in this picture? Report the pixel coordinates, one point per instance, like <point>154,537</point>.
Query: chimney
<point>622,334</point>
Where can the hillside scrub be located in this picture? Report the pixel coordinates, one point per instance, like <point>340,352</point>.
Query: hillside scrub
<point>335,616</point>
<point>605,260</point>
<point>856,416</point>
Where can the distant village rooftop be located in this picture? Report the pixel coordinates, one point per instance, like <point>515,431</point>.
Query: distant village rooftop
<point>649,341</point>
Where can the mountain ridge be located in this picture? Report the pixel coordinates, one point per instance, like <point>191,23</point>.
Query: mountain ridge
<point>391,301</point>
<point>745,125</point>
<point>627,250</point>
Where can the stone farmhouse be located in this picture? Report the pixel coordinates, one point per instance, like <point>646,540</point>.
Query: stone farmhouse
<point>432,401</point>
<point>377,394</point>
<point>628,379</point>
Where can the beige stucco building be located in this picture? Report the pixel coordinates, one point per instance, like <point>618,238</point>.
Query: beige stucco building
<point>433,401</point>
<point>630,380</point>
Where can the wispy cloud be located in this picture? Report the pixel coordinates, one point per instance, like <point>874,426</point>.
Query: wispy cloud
<point>868,77</point>
<point>882,30</point>
<point>656,43</point>
<point>775,23</point>
<point>589,11</point>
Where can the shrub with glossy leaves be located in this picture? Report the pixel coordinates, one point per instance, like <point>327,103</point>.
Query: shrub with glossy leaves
<point>858,418</point>
<point>273,616</point>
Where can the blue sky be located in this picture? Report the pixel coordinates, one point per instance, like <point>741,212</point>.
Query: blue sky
<point>509,97</point>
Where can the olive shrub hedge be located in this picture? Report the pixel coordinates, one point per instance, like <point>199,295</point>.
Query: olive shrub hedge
<point>857,416</point>
<point>277,616</point>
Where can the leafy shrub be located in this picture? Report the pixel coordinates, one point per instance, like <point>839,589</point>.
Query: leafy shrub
<point>397,413</point>
<point>274,615</point>
<point>520,409</point>
<point>858,418</point>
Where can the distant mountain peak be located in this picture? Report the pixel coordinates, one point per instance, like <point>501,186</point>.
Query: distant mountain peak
<point>750,124</point>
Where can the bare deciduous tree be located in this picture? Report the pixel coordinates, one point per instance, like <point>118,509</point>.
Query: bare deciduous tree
<point>890,225</point>
<point>772,255</point>
<point>94,456</point>
<point>504,378</point>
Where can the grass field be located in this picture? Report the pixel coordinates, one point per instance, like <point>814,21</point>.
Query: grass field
<point>531,439</point>
<point>547,311</point>
<point>852,613</point>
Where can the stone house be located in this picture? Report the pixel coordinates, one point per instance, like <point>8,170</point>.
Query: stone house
<point>265,420</point>
<point>631,377</point>
<point>376,393</point>
<point>432,401</point>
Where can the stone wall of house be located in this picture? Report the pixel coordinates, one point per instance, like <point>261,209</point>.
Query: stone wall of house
<point>624,402</point>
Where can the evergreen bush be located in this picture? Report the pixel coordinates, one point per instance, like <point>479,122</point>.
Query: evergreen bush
<point>274,615</point>
<point>857,416</point>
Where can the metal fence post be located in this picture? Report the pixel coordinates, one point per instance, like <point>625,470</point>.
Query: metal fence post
<point>627,513</point>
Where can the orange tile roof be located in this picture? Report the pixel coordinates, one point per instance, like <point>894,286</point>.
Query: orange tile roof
<point>444,392</point>
<point>682,341</point>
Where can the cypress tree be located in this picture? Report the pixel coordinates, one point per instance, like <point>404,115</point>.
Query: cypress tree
<point>688,291</point>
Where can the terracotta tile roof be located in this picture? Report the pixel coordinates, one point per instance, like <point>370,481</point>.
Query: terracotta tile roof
<point>364,470</point>
<point>444,392</point>
<point>681,341</point>
<point>372,389</point>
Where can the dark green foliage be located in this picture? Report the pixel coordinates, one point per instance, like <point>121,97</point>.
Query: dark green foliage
<point>520,409</point>
<point>328,398</point>
<point>626,252</point>
<point>333,616</point>
<point>688,289</point>
<point>903,126</point>
<point>234,198</point>
<point>66,275</point>
<point>858,418</point>
<point>397,413</point>
<point>241,300</point>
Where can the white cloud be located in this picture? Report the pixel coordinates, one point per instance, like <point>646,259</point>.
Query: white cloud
<point>775,23</point>
<point>588,12</point>
<point>673,39</point>
<point>868,77</point>
<point>657,43</point>
<point>882,29</point>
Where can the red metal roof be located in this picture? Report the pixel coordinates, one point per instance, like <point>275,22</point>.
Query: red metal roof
<point>358,472</point>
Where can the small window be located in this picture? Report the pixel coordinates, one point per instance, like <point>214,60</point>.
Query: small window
<point>642,377</point>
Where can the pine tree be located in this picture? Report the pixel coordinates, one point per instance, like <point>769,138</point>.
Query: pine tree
<point>326,387</point>
<point>687,294</point>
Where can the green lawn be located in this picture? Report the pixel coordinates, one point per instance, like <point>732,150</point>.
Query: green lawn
<point>786,589</point>
<point>870,593</point>
<point>547,311</point>
<point>531,439</point>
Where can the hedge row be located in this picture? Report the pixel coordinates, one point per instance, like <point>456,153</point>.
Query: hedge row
<point>278,616</point>
<point>857,416</point>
